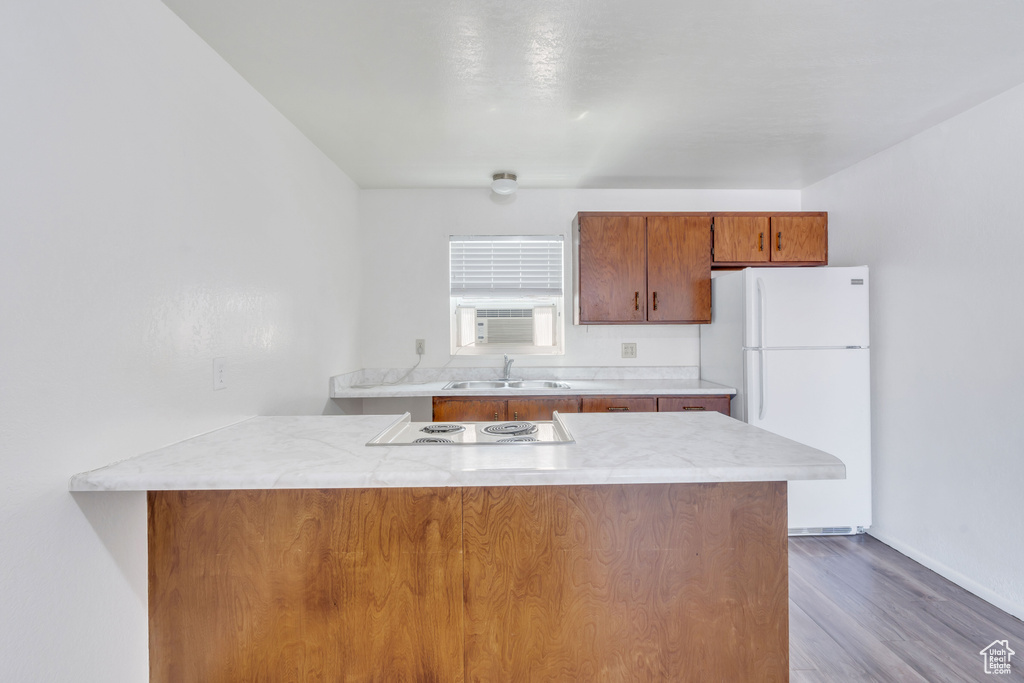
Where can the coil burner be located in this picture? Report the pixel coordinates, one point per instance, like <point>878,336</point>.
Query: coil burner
<point>442,428</point>
<point>453,434</point>
<point>511,428</point>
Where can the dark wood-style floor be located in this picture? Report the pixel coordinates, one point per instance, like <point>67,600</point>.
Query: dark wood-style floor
<point>860,611</point>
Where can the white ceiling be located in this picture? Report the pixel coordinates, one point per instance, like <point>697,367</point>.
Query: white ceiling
<point>613,94</point>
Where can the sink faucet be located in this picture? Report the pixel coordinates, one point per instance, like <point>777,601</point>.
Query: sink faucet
<point>508,368</point>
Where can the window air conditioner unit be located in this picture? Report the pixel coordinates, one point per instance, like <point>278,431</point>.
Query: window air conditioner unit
<point>504,326</point>
<point>520,326</point>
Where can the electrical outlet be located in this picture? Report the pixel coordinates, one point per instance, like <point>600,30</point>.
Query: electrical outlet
<point>421,346</point>
<point>629,350</point>
<point>220,381</point>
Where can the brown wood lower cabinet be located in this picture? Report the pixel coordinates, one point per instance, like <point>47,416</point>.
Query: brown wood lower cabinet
<point>534,409</point>
<point>680,582</point>
<point>305,585</point>
<point>619,404</point>
<point>469,409</point>
<point>676,404</point>
<point>491,408</point>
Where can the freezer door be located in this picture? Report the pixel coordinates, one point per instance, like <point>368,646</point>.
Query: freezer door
<point>820,398</point>
<point>806,307</point>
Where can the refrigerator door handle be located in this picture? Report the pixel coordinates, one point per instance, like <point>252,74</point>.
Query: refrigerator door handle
<point>761,300</point>
<point>762,359</point>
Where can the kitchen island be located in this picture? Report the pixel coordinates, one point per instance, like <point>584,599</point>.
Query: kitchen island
<point>652,548</point>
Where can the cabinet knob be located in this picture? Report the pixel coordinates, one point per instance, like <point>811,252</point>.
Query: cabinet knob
<point>495,416</point>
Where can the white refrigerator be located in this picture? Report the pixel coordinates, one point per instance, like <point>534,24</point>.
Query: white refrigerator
<point>794,342</point>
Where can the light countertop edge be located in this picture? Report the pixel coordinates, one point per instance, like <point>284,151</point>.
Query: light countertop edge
<point>330,452</point>
<point>588,387</point>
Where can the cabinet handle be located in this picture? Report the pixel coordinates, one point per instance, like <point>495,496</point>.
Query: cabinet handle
<point>655,301</point>
<point>515,415</point>
<point>495,416</point>
<point>694,408</point>
<point>778,242</point>
<point>760,241</point>
<point>636,301</point>
<point>624,409</point>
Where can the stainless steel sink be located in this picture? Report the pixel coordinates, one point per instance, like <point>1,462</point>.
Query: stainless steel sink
<point>537,384</point>
<point>507,384</point>
<point>478,384</point>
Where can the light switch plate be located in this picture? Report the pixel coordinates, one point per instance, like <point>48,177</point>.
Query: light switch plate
<point>629,350</point>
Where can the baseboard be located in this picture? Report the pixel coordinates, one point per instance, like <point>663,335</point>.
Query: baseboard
<point>947,572</point>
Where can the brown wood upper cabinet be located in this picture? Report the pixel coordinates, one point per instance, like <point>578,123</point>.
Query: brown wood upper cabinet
<point>742,239</point>
<point>637,268</point>
<point>800,239</point>
<point>612,272</point>
<point>790,239</point>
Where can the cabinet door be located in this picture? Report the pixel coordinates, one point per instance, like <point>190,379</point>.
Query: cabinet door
<point>677,404</point>
<point>800,239</point>
<point>483,409</point>
<point>613,284</point>
<point>533,409</point>
<point>679,269</point>
<point>617,404</point>
<point>742,239</point>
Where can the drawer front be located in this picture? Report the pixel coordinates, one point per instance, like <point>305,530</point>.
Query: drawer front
<point>535,409</point>
<point>619,404</point>
<point>676,404</point>
<point>469,409</point>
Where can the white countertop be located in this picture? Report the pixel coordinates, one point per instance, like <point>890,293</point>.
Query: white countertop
<point>577,387</point>
<point>330,452</point>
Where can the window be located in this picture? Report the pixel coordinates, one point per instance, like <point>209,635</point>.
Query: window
<point>506,294</point>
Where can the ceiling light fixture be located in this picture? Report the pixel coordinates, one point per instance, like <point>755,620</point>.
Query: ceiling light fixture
<point>504,183</point>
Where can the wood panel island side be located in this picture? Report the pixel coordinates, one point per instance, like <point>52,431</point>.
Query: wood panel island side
<point>654,548</point>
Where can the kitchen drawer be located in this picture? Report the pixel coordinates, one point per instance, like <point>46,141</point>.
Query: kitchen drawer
<point>619,404</point>
<point>674,404</point>
<point>540,409</point>
<point>494,409</point>
<point>469,409</point>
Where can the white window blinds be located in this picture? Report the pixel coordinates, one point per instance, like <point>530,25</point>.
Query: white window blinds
<point>499,266</point>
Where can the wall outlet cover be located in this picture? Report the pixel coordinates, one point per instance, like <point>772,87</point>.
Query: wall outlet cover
<point>220,380</point>
<point>421,346</point>
<point>629,350</point>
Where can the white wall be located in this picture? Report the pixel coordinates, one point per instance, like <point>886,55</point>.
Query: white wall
<point>940,220</point>
<point>406,267</point>
<point>156,213</point>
